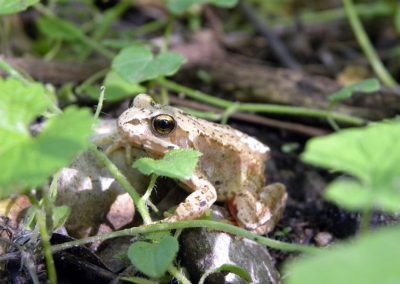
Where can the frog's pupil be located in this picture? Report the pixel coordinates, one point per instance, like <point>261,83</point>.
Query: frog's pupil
<point>164,124</point>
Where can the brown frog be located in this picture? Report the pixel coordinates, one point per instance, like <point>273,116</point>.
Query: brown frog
<point>231,168</point>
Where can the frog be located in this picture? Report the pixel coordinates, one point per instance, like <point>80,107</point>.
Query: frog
<point>231,168</point>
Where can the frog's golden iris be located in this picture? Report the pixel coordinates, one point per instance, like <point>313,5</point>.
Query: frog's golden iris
<point>163,124</point>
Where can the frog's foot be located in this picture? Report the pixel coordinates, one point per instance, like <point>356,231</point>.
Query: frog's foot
<point>197,203</point>
<point>260,211</point>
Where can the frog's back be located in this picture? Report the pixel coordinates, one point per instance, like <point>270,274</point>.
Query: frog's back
<point>222,135</point>
<point>232,160</point>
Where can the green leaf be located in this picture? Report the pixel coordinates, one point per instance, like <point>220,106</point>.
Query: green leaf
<point>60,216</point>
<point>224,3</point>
<point>369,260</point>
<point>351,195</point>
<point>19,105</point>
<point>179,164</point>
<point>30,161</point>
<point>371,154</point>
<point>137,64</point>
<point>118,88</point>
<point>14,6</point>
<point>228,268</point>
<point>153,259</point>
<point>57,28</point>
<point>179,7</point>
<point>367,87</point>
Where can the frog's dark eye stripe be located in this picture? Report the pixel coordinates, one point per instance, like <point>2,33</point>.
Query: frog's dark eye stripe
<point>163,124</point>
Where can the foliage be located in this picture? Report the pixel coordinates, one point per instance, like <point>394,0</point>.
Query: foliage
<point>362,153</point>
<point>178,164</point>
<point>155,256</point>
<point>179,7</point>
<point>56,28</point>
<point>372,156</point>
<point>371,175</point>
<point>369,260</point>
<point>137,64</point>
<point>367,86</point>
<point>15,6</point>
<point>28,161</point>
<point>228,268</point>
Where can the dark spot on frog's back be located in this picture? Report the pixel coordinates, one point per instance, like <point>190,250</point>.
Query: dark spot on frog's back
<point>203,203</point>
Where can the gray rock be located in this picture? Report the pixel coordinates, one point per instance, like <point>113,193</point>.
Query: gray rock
<point>202,250</point>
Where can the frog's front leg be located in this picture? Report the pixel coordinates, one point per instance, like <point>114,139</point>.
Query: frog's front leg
<point>197,203</point>
<point>259,211</point>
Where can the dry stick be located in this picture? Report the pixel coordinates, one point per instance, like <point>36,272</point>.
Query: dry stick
<point>277,46</point>
<point>252,118</point>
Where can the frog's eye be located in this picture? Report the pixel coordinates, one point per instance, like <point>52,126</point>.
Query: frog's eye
<point>163,124</point>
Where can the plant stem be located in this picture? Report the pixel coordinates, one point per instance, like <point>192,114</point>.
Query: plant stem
<point>366,45</point>
<point>107,21</point>
<point>178,275</point>
<point>143,200</point>
<point>82,38</point>
<point>212,225</point>
<point>262,108</point>
<point>122,180</point>
<point>100,103</point>
<point>370,10</point>
<point>91,80</point>
<point>51,269</point>
<point>366,217</point>
<point>13,72</point>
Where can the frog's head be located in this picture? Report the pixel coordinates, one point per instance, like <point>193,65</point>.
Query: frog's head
<point>150,126</point>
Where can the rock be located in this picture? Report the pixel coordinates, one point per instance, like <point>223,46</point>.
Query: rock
<point>98,203</point>
<point>202,250</point>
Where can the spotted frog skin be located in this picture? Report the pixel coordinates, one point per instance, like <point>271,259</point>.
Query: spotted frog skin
<point>231,168</point>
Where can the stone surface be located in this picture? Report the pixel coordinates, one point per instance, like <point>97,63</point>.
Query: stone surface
<point>202,250</point>
<point>98,203</point>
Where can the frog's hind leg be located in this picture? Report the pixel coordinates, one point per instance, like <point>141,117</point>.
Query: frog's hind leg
<point>260,211</point>
<point>197,203</point>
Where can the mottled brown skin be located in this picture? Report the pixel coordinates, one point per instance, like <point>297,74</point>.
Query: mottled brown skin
<point>231,168</point>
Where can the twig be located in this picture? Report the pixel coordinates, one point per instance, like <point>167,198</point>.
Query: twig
<point>253,118</point>
<point>277,46</point>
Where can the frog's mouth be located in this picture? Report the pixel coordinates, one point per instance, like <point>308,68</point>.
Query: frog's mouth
<point>157,148</point>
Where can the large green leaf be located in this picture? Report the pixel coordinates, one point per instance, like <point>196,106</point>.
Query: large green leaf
<point>371,154</point>
<point>28,161</point>
<point>178,164</point>
<point>137,64</point>
<point>371,259</point>
<point>14,6</point>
